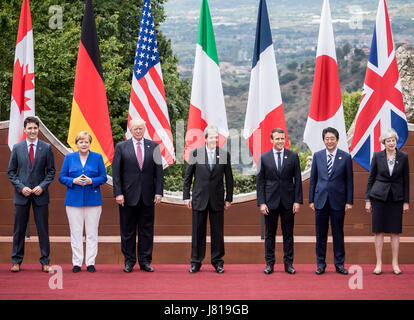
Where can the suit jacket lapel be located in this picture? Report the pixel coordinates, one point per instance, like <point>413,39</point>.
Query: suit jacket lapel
<point>338,157</point>
<point>147,153</point>
<point>285,159</point>
<point>272,161</point>
<point>384,160</point>
<point>131,150</point>
<point>39,149</point>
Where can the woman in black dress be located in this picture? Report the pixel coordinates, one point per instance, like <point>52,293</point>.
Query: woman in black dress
<point>387,196</point>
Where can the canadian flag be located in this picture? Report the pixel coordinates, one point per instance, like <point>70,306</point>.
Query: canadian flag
<point>326,108</point>
<point>23,88</point>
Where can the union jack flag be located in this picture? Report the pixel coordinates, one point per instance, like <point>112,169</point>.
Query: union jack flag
<point>147,92</point>
<point>382,105</point>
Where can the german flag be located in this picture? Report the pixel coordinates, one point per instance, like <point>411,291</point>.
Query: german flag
<point>89,106</point>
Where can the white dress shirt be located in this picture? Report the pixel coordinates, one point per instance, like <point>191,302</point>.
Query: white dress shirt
<point>34,146</point>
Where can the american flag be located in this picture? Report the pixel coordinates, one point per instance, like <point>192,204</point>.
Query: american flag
<point>382,105</point>
<point>147,92</point>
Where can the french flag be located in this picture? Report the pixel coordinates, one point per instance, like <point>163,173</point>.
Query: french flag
<point>326,108</point>
<point>264,105</point>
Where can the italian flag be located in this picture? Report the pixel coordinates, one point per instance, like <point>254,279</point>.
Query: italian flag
<point>207,99</point>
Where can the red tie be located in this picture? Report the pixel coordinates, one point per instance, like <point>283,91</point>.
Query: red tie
<point>139,154</point>
<point>31,154</point>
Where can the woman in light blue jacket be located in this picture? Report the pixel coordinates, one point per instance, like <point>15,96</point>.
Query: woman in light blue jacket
<point>83,172</point>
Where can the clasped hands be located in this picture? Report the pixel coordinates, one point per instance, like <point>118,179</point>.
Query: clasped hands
<point>82,180</point>
<point>26,191</point>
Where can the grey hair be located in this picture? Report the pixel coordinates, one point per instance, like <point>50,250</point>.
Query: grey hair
<point>390,133</point>
<point>210,128</point>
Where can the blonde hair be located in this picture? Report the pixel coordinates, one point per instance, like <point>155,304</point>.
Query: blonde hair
<point>390,133</point>
<point>82,135</point>
<point>136,122</point>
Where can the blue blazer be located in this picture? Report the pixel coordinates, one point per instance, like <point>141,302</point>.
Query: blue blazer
<point>339,187</point>
<point>83,196</point>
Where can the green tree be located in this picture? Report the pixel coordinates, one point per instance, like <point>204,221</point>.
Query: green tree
<point>292,66</point>
<point>350,102</point>
<point>288,77</point>
<point>56,51</point>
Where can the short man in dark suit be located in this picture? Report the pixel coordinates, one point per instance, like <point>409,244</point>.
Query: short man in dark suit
<point>331,193</point>
<point>279,193</point>
<point>208,165</point>
<point>138,180</point>
<point>31,170</point>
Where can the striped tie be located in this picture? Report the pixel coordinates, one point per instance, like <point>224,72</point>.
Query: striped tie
<point>330,164</point>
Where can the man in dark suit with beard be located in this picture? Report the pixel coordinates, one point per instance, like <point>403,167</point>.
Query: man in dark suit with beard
<point>279,193</point>
<point>138,180</point>
<point>208,165</point>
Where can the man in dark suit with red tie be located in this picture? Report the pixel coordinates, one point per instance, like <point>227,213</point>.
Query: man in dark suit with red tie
<point>138,180</point>
<point>279,193</point>
<point>31,170</point>
<point>209,165</point>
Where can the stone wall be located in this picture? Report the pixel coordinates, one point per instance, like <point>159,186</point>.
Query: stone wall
<point>405,59</point>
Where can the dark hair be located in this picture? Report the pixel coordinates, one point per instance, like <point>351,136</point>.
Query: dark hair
<point>278,130</point>
<point>330,130</point>
<point>31,119</point>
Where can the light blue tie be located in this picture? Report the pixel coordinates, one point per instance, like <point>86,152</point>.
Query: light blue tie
<point>210,160</point>
<point>330,156</point>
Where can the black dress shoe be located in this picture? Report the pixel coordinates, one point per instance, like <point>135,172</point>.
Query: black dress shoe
<point>194,269</point>
<point>341,270</point>
<point>91,268</point>
<point>128,268</point>
<point>268,269</point>
<point>219,269</point>
<point>76,269</point>
<point>320,270</point>
<point>289,269</point>
<point>147,268</point>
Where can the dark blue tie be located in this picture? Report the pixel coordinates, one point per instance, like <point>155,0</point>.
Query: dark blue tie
<point>330,156</point>
<point>279,163</point>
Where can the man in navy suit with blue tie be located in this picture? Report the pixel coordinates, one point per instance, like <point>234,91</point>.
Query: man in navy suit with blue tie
<point>331,193</point>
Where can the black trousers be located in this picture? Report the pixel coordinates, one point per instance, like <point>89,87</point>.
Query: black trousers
<point>287,219</point>
<point>21,217</point>
<point>199,230</point>
<point>131,217</point>
<point>337,218</point>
